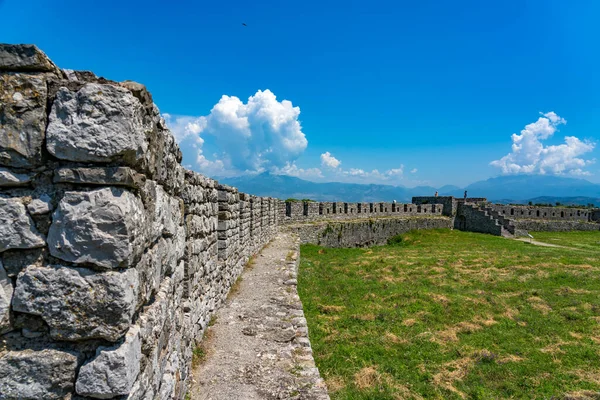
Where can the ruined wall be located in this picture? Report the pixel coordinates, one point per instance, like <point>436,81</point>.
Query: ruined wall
<point>113,257</point>
<point>362,233</point>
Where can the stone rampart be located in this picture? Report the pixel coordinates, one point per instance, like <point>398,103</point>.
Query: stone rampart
<point>113,257</point>
<point>364,232</point>
<point>546,213</point>
<point>298,211</point>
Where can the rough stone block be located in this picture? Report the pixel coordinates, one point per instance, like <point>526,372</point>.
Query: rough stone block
<point>105,227</point>
<point>13,179</point>
<point>24,57</point>
<point>114,370</point>
<point>98,123</point>
<point>114,176</point>
<point>33,375</point>
<point>40,206</point>
<point>78,303</point>
<point>16,227</point>
<point>22,118</point>
<point>6,292</point>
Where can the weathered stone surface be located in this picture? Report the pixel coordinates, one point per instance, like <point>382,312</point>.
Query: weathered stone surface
<point>16,227</point>
<point>22,118</point>
<point>6,292</point>
<point>40,206</point>
<point>24,57</point>
<point>34,375</point>
<point>114,370</point>
<point>98,123</point>
<point>115,176</point>
<point>13,179</point>
<point>139,91</point>
<point>78,303</point>
<point>103,227</point>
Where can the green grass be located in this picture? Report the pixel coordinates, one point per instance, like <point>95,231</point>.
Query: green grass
<point>448,315</point>
<point>579,240</point>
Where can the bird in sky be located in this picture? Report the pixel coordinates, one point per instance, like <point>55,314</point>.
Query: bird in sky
<point>243,23</point>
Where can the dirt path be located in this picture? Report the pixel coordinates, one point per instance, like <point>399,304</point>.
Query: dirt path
<point>259,348</point>
<point>543,244</point>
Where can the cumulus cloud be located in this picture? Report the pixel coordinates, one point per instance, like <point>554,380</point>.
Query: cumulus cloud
<point>261,134</point>
<point>292,169</point>
<point>529,155</point>
<point>413,171</point>
<point>329,161</point>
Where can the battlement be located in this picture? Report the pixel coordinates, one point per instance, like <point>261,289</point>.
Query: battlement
<point>298,211</point>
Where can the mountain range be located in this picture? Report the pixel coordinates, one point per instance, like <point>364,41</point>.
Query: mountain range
<point>503,189</point>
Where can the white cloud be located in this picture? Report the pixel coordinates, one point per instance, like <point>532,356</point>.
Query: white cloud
<point>529,155</point>
<point>329,161</point>
<point>292,169</point>
<point>413,171</point>
<point>262,134</point>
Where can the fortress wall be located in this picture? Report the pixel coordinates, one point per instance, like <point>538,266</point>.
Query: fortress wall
<point>473,220</point>
<point>540,225</point>
<point>113,257</point>
<point>362,233</point>
<point>547,213</point>
<point>310,211</point>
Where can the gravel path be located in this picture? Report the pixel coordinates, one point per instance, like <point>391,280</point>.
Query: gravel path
<point>259,348</point>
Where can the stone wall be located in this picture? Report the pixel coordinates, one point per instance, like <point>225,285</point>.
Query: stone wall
<point>113,257</point>
<point>470,218</point>
<point>523,226</point>
<point>547,213</point>
<point>298,211</point>
<point>362,233</point>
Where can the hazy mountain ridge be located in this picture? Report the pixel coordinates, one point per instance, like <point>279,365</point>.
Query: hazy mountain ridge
<point>502,189</point>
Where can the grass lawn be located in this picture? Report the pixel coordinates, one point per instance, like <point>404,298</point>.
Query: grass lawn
<point>449,315</point>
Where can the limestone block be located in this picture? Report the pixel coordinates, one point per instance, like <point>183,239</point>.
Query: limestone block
<point>104,227</point>
<point>114,369</point>
<point>165,210</point>
<point>78,303</point>
<point>24,57</point>
<point>98,123</point>
<point>16,227</point>
<point>114,176</point>
<point>22,118</point>
<point>6,292</point>
<point>40,206</point>
<point>13,179</point>
<point>32,375</point>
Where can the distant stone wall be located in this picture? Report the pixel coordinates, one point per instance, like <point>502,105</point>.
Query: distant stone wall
<point>537,225</point>
<point>546,213</point>
<point>363,233</point>
<point>113,257</point>
<point>298,211</point>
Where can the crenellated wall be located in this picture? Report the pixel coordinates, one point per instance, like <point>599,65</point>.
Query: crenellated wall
<point>299,211</point>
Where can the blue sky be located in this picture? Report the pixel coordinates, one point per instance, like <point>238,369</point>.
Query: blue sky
<point>436,87</point>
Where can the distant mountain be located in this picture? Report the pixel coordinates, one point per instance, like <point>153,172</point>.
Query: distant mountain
<point>284,187</point>
<point>503,189</point>
<point>520,188</point>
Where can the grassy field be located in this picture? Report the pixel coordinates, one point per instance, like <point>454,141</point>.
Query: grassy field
<point>450,315</point>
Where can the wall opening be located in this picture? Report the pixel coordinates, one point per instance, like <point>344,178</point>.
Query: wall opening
<point>288,209</point>
<point>562,214</point>
<point>305,208</point>
<point>418,208</point>
<point>320,208</point>
<point>538,213</point>
<point>512,211</point>
<point>405,208</point>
